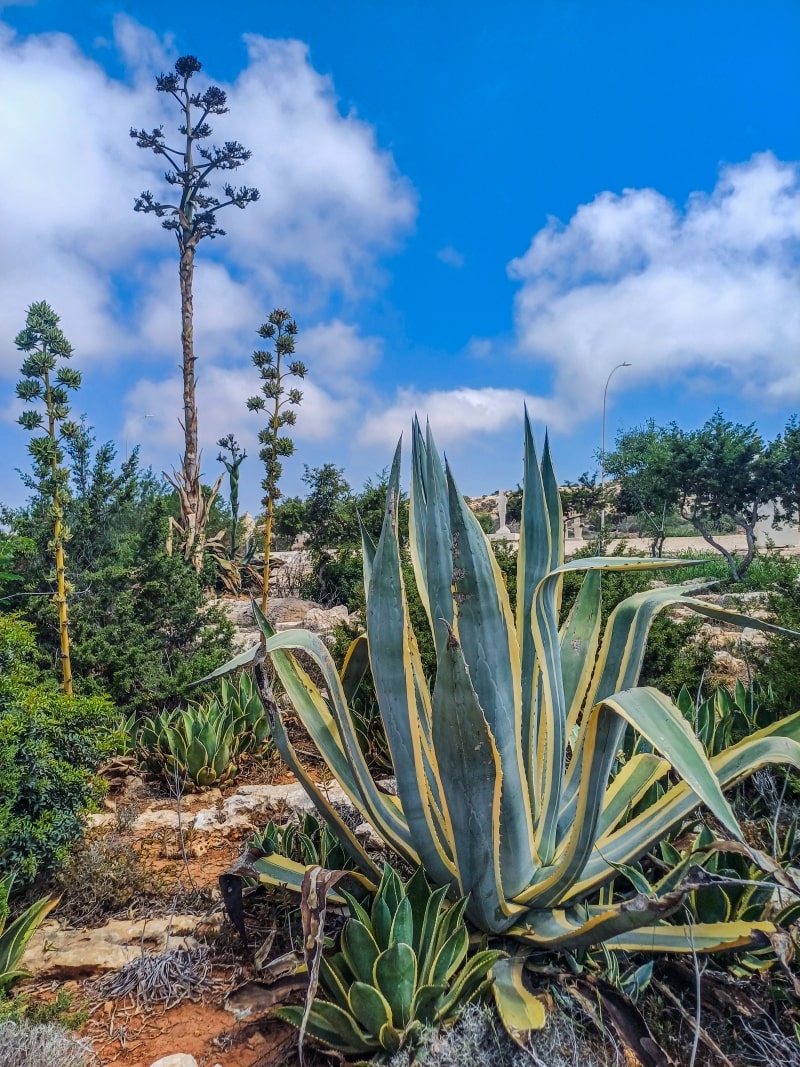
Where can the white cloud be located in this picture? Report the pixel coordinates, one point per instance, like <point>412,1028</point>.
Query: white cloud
<point>329,408</point>
<point>331,199</point>
<point>712,288</point>
<point>451,256</point>
<point>336,353</point>
<point>456,414</point>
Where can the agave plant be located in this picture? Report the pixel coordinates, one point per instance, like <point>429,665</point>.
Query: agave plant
<point>242,705</point>
<point>202,743</point>
<point>14,938</point>
<point>401,967</point>
<point>196,743</point>
<point>725,717</point>
<point>309,842</point>
<point>509,790</point>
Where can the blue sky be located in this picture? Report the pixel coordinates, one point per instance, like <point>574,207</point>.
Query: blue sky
<point>466,206</point>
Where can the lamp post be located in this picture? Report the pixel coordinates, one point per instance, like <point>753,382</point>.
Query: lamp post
<point>603,449</point>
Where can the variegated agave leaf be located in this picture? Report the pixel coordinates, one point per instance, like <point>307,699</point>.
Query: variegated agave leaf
<point>505,768</point>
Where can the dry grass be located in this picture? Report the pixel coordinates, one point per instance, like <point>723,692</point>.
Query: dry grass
<point>25,1044</point>
<point>478,1038</point>
<point>103,877</point>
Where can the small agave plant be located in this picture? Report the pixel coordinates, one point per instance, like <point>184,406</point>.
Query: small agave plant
<point>401,967</point>
<point>509,788</point>
<point>202,743</point>
<point>195,743</point>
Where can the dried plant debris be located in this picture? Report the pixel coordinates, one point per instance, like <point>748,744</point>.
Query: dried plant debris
<point>479,1038</point>
<point>103,877</point>
<point>26,1044</point>
<point>165,980</point>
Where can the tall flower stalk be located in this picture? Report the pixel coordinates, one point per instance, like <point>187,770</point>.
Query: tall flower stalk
<point>278,401</point>
<point>46,382</point>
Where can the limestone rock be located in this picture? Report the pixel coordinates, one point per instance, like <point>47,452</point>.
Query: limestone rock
<point>59,953</point>
<point>176,1059</point>
<point>159,819</point>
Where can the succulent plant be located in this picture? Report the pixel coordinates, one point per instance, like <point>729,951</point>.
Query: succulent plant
<point>402,966</point>
<point>509,787</point>
<point>202,743</point>
<point>197,744</point>
<point>14,938</point>
<point>243,706</point>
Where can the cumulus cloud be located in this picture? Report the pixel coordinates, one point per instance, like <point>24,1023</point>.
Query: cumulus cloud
<point>456,414</point>
<point>710,288</point>
<point>331,200</point>
<point>333,352</point>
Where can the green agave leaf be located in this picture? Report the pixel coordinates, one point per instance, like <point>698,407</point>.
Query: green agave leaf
<point>628,787</point>
<point>333,819</point>
<point>534,553</point>
<point>699,937</point>
<point>232,665</point>
<point>580,637</point>
<point>389,1038</point>
<point>281,871</point>
<point>619,662</point>
<point>403,696</point>
<point>358,912</point>
<point>487,637</point>
<point>425,947</point>
<point>367,555</point>
<point>360,950</point>
<point>330,1025</point>
<point>402,929</point>
<point>438,577</point>
<point>451,955</point>
<point>356,663</point>
<point>776,744</point>
<point>659,722</point>
<point>426,1003</point>
<point>197,758</point>
<point>335,735</point>
<point>14,939</point>
<point>418,892</point>
<point>333,981</point>
<point>470,983</point>
<point>395,974</point>
<point>381,922</point>
<point>370,1008</point>
<point>471,773</point>
<point>391,888</point>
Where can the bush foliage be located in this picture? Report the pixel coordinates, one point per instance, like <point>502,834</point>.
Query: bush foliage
<point>50,748</point>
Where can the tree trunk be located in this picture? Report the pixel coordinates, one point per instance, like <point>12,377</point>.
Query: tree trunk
<point>195,508</point>
<point>190,473</point>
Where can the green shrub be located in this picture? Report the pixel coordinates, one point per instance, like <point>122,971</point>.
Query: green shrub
<point>779,661</point>
<point>50,747</point>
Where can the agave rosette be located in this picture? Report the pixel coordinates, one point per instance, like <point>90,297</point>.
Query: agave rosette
<point>508,787</point>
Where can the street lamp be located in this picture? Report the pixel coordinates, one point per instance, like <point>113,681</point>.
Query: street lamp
<point>603,448</point>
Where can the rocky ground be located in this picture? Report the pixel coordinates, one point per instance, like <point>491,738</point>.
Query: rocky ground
<point>174,853</point>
